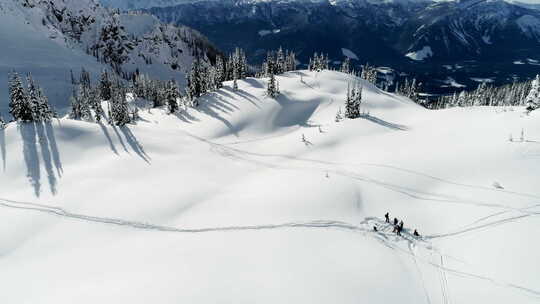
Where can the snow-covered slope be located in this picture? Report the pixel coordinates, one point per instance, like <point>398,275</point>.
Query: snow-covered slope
<point>50,38</point>
<point>226,204</point>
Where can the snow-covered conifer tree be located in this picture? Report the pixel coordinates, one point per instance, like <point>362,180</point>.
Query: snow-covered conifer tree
<point>346,65</point>
<point>272,89</point>
<point>533,98</point>
<point>172,96</point>
<point>105,86</point>
<point>19,107</point>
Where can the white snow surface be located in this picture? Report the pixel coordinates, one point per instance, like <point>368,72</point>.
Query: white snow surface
<point>420,55</point>
<point>348,53</point>
<point>226,204</point>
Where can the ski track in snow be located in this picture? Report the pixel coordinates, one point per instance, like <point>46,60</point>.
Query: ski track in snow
<point>384,236</point>
<point>248,156</point>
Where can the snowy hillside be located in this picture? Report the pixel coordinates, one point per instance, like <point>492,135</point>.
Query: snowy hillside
<point>50,38</point>
<point>226,204</point>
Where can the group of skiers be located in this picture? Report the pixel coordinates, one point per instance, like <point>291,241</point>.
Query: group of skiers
<point>398,226</point>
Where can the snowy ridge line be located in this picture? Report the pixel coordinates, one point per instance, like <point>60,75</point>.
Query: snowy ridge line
<point>147,226</point>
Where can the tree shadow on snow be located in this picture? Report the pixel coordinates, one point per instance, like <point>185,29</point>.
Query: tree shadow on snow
<point>384,123</point>
<point>120,138</point>
<point>3,147</point>
<point>39,137</point>
<point>54,148</point>
<point>134,143</point>
<point>294,112</point>
<point>253,83</point>
<point>245,95</point>
<point>108,136</point>
<point>216,107</point>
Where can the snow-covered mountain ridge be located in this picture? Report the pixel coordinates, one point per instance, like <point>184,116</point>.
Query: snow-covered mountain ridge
<point>50,38</point>
<point>226,202</point>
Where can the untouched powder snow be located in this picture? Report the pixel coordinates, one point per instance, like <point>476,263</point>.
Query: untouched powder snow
<point>226,203</point>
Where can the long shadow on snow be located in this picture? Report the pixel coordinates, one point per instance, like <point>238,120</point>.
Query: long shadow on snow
<point>54,148</point>
<point>253,83</point>
<point>294,112</point>
<point>31,156</point>
<point>120,138</point>
<point>42,134</point>
<point>134,144</point>
<point>245,95</point>
<point>385,123</point>
<point>216,107</point>
<point>46,156</point>
<point>3,147</point>
<point>108,136</point>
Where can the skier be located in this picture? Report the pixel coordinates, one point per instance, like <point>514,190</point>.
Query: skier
<point>416,234</point>
<point>395,221</point>
<point>399,230</point>
<point>375,228</point>
<point>401,224</point>
<point>387,217</point>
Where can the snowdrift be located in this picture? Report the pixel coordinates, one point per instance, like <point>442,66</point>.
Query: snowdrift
<point>226,203</point>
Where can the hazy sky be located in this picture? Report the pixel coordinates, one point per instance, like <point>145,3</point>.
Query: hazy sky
<point>531,1</point>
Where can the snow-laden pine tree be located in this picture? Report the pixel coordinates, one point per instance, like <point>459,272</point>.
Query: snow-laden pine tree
<point>95,104</point>
<point>2,122</point>
<point>353,101</point>
<point>346,65</point>
<point>280,62</point>
<point>114,46</point>
<point>220,72</point>
<point>172,96</point>
<point>41,110</point>
<point>119,114</point>
<point>369,73</point>
<point>105,86</point>
<point>272,89</point>
<point>19,107</point>
<point>533,98</point>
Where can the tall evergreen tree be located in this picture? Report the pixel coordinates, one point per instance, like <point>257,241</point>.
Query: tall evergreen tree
<point>19,106</point>
<point>533,98</point>
<point>353,101</point>
<point>119,110</point>
<point>172,96</point>
<point>346,65</point>
<point>105,86</point>
<point>272,89</point>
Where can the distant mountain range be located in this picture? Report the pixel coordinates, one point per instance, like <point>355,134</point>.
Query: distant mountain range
<point>440,41</point>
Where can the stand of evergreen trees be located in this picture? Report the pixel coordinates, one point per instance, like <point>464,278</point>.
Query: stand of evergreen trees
<point>86,102</point>
<point>28,104</point>
<point>319,62</point>
<point>410,90</point>
<point>204,79</point>
<point>278,62</point>
<point>515,94</point>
